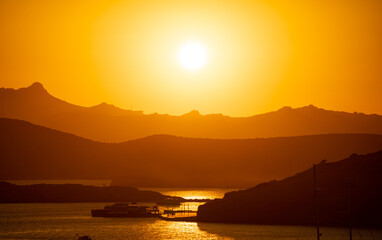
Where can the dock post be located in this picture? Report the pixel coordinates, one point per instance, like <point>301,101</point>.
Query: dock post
<point>349,211</point>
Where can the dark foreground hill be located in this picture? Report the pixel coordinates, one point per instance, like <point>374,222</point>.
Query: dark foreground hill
<point>107,123</point>
<point>357,179</point>
<point>28,151</point>
<point>61,193</point>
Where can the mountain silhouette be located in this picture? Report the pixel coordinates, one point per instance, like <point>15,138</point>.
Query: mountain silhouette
<point>356,180</point>
<point>29,151</point>
<point>64,193</point>
<point>107,123</point>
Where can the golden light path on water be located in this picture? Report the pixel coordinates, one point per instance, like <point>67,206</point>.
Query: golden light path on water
<point>190,193</point>
<point>66,220</point>
<point>56,221</point>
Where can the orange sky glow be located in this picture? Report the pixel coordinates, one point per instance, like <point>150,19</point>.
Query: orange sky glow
<point>261,55</point>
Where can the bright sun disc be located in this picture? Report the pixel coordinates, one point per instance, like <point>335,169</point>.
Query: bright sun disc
<point>192,56</point>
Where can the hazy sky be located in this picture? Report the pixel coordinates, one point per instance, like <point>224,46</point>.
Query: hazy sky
<point>260,55</point>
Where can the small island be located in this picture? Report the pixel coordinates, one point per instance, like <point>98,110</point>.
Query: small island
<point>65,193</point>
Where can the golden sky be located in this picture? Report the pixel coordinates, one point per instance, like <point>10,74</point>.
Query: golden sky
<point>261,55</point>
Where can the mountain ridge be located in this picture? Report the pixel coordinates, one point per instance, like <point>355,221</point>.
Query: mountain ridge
<point>108,123</point>
<point>29,151</point>
<point>38,87</point>
<point>68,193</point>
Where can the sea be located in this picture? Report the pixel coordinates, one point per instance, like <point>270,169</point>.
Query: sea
<point>70,220</point>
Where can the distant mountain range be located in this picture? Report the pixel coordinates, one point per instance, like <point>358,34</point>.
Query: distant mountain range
<point>64,193</point>
<point>348,191</point>
<point>107,123</point>
<point>34,152</point>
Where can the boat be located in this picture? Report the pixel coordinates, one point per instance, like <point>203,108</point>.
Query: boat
<point>125,210</point>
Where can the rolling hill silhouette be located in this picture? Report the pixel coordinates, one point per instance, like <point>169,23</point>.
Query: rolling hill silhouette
<point>291,200</point>
<point>61,193</point>
<point>34,152</point>
<point>107,123</point>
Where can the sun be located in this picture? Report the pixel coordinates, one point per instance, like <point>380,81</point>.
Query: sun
<point>192,56</point>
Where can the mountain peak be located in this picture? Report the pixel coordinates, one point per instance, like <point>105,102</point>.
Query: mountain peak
<point>285,108</point>
<point>37,87</point>
<point>311,106</point>
<point>193,113</point>
<point>105,106</point>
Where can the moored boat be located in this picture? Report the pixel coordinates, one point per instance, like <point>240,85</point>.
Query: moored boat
<point>124,210</point>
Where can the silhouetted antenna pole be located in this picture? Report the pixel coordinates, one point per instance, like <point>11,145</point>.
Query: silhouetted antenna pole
<point>349,211</point>
<point>316,201</point>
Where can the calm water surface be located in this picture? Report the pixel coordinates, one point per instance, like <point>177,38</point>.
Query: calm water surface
<point>66,220</point>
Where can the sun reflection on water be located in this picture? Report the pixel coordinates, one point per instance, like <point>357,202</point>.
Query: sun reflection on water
<point>205,193</point>
<point>184,230</point>
<point>66,221</point>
